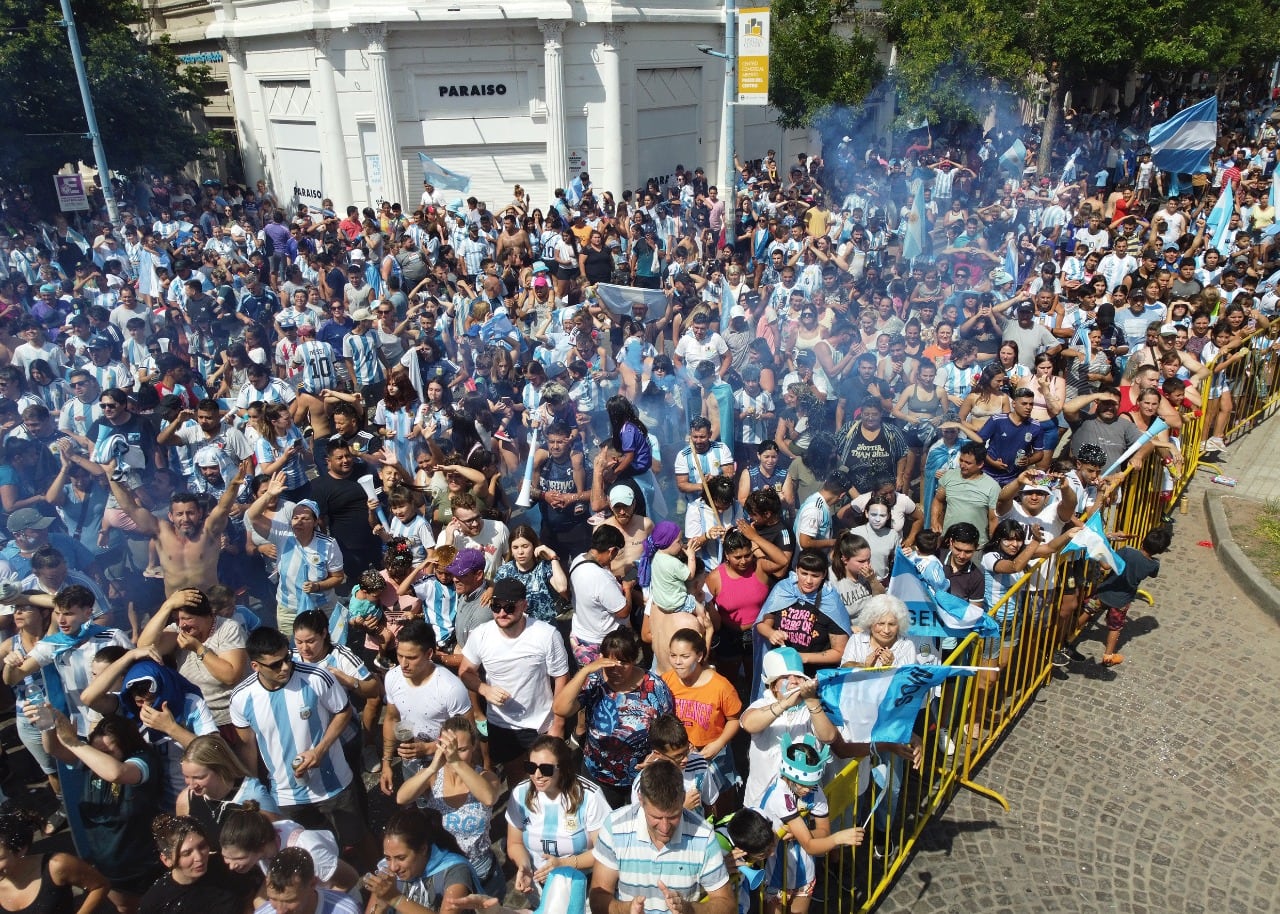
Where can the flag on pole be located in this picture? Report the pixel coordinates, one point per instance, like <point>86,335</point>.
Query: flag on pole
<point>1182,144</point>
<point>1220,219</point>
<point>1014,159</point>
<point>880,705</point>
<point>935,611</point>
<point>1092,541</point>
<point>913,234</point>
<point>441,177</point>
<point>1273,195</point>
<point>1081,339</point>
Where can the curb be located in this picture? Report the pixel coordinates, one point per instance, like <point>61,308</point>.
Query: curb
<point>1238,565</point>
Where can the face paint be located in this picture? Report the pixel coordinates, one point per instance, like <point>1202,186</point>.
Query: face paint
<point>877,517</point>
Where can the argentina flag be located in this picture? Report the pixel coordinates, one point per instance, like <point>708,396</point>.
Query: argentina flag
<point>1092,541</point>
<point>880,705</point>
<point>442,178</point>
<point>1220,235</point>
<point>935,611</point>
<point>1183,142</point>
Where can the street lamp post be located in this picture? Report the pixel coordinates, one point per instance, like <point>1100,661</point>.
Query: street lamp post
<point>95,137</point>
<point>730,57</point>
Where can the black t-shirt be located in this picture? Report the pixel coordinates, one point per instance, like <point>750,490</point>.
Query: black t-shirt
<point>344,507</point>
<point>877,458</point>
<point>968,583</point>
<point>807,628</point>
<point>211,894</point>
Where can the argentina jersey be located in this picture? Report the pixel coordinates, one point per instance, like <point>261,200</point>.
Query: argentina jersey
<point>550,830</point>
<point>287,722</point>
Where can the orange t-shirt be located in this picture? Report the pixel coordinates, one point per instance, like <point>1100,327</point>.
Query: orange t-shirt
<point>704,709</point>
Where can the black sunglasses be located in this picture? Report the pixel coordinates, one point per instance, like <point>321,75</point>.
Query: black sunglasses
<point>274,667</point>
<point>502,606</point>
<point>545,770</point>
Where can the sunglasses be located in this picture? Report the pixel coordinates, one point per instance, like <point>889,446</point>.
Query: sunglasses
<point>545,770</point>
<point>502,606</point>
<point>277,666</point>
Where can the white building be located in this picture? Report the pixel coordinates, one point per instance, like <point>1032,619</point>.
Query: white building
<point>335,98</point>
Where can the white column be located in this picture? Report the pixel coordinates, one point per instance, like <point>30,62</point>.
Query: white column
<point>384,113</point>
<point>553,65</point>
<point>250,153</point>
<point>610,171</point>
<point>333,144</point>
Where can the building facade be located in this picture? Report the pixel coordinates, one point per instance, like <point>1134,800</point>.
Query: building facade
<point>336,98</point>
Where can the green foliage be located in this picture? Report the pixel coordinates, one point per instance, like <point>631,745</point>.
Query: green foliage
<point>819,63</point>
<point>140,93</point>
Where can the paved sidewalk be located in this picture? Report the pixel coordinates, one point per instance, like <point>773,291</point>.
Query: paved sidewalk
<point>1153,787</point>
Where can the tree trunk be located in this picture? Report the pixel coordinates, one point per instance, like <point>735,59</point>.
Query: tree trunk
<point>1044,163</point>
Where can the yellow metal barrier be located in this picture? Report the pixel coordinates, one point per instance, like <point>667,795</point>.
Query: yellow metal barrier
<point>962,727</point>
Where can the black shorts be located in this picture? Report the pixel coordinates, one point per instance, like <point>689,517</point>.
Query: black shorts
<point>508,745</point>
<point>566,273</point>
<point>339,814</point>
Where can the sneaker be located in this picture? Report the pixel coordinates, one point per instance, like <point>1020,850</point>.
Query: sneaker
<point>1074,654</point>
<point>948,744</point>
<point>501,435</point>
<point>1215,444</point>
<point>1061,658</point>
<point>1112,659</point>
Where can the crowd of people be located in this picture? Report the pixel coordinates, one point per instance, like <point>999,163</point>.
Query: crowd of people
<point>553,510</point>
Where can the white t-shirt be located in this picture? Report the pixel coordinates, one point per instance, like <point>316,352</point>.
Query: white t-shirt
<point>424,708</point>
<point>523,667</point>
<point>596,597</point>
<point>491,539</point>
<point>764,755</point>
<point>318,843</point>
<point>710,349</point>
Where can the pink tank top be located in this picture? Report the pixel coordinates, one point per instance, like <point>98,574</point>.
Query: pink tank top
<point>741,598</point>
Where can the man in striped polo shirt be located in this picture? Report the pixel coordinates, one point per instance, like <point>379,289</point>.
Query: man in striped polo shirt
<point>292,714</point>
<point>656,857</point>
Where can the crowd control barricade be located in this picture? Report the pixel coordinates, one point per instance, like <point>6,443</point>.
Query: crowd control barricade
<point>965,724</point>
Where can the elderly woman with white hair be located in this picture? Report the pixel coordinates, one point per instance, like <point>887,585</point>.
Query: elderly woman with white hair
<point>880,635</point>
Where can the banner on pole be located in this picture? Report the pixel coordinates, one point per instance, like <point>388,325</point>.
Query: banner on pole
<point>753,56</point>
<point>71,193</point>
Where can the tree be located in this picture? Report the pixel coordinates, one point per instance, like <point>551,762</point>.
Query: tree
<point>141,94</point>
<point>819,63</point>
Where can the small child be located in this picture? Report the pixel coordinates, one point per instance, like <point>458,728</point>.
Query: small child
<point>797,807</point>
<point>748,844</point>
<point>670,602</point>
<point>365,610</point>
<point>668,739</point>
<point>439,600</point>
<point>406,521</point>
<point>222,599</point>
<point>1117,591</point>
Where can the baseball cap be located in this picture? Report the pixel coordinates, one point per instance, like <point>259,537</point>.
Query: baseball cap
<point>99,341</point>
<point>737,311</point>
<point>355,254</point>
<point>540,282</point>
<point>622,495</point>
<point>467,561</point>
<point>1169,330</point>
<point>28,519</point>
<point>509,589</point>
<point>779,662</point>
<point>287,323</point>
<point>362,314</point>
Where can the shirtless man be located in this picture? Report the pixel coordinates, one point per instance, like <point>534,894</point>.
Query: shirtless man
<point>512,238</point>
<point>188,541</point>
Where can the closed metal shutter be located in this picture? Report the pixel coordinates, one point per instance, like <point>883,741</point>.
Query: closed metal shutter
<point>667,121</point>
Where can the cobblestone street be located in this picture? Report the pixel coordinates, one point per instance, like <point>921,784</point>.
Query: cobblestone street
<point>1149,788</point>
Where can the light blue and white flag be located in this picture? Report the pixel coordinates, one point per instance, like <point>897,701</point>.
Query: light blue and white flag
<point>913,232</point>
<point>1184,142</point>
<point>148,279</point>
<point>1092,541</point>
<point>1011,260</point>
<point>620,301</point>
<point>1081,340</point>
<point>1220,236</point>
<point>78,240</point>
<point>880,705</point>
<point>935,611</point>
<point>1014,159</point>
<point>441,177</point>
<point>184,232</point>
<point>1273,195</point>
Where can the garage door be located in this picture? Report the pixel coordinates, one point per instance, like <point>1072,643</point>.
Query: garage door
<point>493,171</point>
<point>667,121</point>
